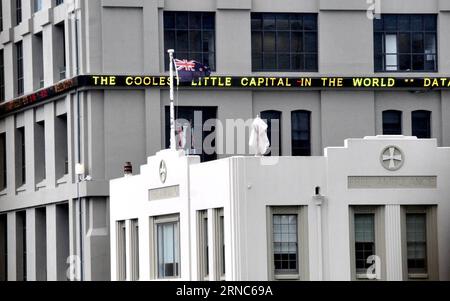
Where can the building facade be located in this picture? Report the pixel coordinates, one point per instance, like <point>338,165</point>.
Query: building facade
<point>61,104</point>
<point>370,210</point>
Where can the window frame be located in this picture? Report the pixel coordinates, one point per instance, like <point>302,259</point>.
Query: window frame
<point>380,240</point>
<point>401,121</point>
<point>134,249</point>
<point>202,31</point>
<point>309,150</point>
<point>430,124</point>
<point>430,211</point>
<point>260,16</point>
<point>384,32</point>
<point>121,250</point>
<point>302,242</point>
<point>203,245</point>
<point>269,130</point>
<point>154,222</point>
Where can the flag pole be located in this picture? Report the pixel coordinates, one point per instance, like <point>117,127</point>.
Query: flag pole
<point>172,108</point>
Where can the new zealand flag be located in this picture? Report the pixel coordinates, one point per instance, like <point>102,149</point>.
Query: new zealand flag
<point>190,70</point>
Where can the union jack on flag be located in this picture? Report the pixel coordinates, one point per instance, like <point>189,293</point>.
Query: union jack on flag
<point>184,65</point>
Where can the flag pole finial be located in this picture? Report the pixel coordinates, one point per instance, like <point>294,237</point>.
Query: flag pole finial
<point>172,108</point>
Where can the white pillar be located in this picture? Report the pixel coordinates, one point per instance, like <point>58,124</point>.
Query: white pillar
<point>213,252</point>
<point>12,246</point>
<point>393,243</point>
<point>52,263</point>
<point>31,245</point>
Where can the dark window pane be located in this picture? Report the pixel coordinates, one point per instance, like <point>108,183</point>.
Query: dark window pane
<point>309,22</point>
<point>284,62</point>
<point>378,62</point>
<point>405,62</point>
<point>169,39</point>
<point>182,40</point>
<point>256,42</point>
<point>417,43</point>
<point>208,21</point>
<point>378,43</point>
<point>195,21</point>
<point>392,123</point>
<point>296,22</point>
<point>269,41</point>
<point>404,43</point>
<point>429,22</point>
<point>269,61</point>
<point>283,41</point>
<point>296,42</point>
<point>310,42</point>
<point>273,120</point>
<point>403,23</point>
<point>195,40</point>
<point>256,61</point>
<point>269,22</point>
<point>282,22</point>
<point>390,22</point>
<point>418,62</point>
<point>300,131</point>
<point>421,124</point>
<point>378,24</point>
<point>169,20</point>
<point>416,23</point>
<point>310,62</point>
<point>181,20</point>
<point>208,41</point>
<point>298,61</point>
<point>256,21</point>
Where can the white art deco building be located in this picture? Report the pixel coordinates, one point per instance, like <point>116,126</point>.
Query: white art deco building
<point>373,209</point>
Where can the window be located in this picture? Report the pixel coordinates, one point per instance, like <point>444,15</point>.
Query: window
<point>3,248</point>
<point>62,155</point>
<point>192,35</point>
<point>21,244</point>
<point>20,156</point>
<point>416,241</point>
<point>2,76</point>
<point>60,41</point>
<point>58,2</point>
<point>287,239</point>
<point>3,168</point>
<point>284,42</point>
<point>367,241</point>
<point>18,12</point>
<point>273,120</point>
<point>203,246</point>
<point>221,243</point>
<point>285,243</point>
<point>39,59</point>
<point>167,242</point>
<point>39,151</point>
<point>301,133</point>
<point>421,124</point>
<point>405,43</point>
<point>19,65</point>
<point>134,237</point>
<point>199,124</point>
<point>37,5</point>
<point>392,122</point>
<point>364,240</point>
<point>121,249</point>
<point>420,243</point>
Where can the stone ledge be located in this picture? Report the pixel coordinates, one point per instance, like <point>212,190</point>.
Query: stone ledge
<point>234,4</point>
<point>6,36</point>
<point>343,5</point>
